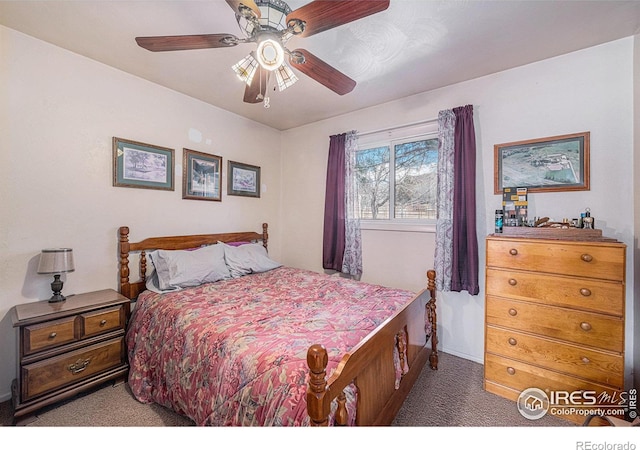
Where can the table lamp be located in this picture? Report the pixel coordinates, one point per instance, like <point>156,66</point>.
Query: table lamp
<point>56,261</point>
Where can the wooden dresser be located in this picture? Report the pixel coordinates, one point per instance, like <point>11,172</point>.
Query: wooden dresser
<point>554,316</point>
<point>68,347</point>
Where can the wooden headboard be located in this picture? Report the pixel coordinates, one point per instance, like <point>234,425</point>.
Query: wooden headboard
<point>131,290</point>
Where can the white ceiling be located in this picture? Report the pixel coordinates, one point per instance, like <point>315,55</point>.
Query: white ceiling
<point>413,46</point>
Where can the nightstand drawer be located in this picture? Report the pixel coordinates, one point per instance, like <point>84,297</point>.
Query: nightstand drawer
<point>53,373</point>
<point>102,320</point>
<point>598,366</point>
<point>48,335</point>
<point>580,293</point>
<point>580,327</point>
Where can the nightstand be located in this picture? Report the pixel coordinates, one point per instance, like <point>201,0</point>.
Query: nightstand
<point>68,347</point>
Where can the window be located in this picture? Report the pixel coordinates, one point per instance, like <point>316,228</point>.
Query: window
<point>396,177</point>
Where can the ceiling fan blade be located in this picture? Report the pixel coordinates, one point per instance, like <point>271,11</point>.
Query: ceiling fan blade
<point>237,6</point>
<point>321,15</point>
<point>187,42</point>
<point>255,92</point>
<point>323,73</point>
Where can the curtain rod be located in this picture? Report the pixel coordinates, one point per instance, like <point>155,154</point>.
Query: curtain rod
<point>382,130</point>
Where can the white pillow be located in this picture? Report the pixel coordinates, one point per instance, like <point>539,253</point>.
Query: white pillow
<point>247,259</point>
<point>184,268</point>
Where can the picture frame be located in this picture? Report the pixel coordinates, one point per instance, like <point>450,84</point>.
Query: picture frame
<point>140,165</point>
<point>243,179</point>
<point>550,164</point>
<point>201,176</point>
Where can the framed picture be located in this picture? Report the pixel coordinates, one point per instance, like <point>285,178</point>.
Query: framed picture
<point>552,164</point>
<point>201,178</point>
<point>243,179</point>
<point>139,165</point>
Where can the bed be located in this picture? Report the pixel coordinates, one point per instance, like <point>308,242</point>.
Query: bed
<point>265,344</point>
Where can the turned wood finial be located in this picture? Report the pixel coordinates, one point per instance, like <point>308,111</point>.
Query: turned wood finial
<point>431,280</point>
<point>124,260</point>
<point>265,234</point>
<point>317,406</point>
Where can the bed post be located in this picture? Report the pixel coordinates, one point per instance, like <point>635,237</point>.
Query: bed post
<point>265,235</point>
<point>124,261</point>
<point>431,314</point>
<point>318,407</point>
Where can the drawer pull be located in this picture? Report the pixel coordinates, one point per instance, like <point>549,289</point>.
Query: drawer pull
<point>586,257</point>
<point>512,312</point>
<point>585,292</point>
<point>513,281</point>
<point>513,252</point>
<point>586,326</point>
<point>78,366</point>
<point>585,360</point>
<point>103,322</point>
<point>511,371</point>
<point>512,341</point>
<point>53,335</point>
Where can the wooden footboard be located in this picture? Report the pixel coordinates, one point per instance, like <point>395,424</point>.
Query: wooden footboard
<point>370,366</point>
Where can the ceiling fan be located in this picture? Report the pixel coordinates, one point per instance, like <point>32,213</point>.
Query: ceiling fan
<point>270,24</point>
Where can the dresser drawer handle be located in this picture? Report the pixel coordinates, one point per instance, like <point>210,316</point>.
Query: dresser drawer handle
<point>585,360</point>
<point>78,366</point>
<point>53,335</point>
<point>586,326</point>
<point>512,312</point>
<point>586,257</point>
<point>103,322</point>
<point>511,371</point>
<point>512,341</point>
<point>585,292</point>
<point>513,251</point>
<point>513,281</point>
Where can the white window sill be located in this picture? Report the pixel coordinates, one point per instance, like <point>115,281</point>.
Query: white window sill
<point>388,225</point>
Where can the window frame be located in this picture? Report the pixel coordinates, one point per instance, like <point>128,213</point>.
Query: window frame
<point>424,131</point>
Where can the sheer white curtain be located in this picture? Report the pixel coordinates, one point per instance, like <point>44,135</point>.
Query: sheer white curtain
<point>352,260</point>
<point>444,216</point>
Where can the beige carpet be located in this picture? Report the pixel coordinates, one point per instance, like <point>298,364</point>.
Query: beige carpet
<point>449,397</point>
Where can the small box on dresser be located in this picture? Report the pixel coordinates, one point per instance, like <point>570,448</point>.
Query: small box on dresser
<point>68,347</point>
<point>554,316</point>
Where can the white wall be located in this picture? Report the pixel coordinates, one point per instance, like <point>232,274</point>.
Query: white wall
<point>589,90</point>
<point>58,114</point>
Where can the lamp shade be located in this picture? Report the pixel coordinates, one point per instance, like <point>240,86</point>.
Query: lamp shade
<point>56,260</point>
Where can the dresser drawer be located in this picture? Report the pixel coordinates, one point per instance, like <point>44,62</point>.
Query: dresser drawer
<point>102,320</point>
<point>582,259</point>
<point>520,376</point>
<point>46,335</point>
<point>580,327</point>
<point>597,366</point>
<point>53,373</point>
<point>581,293</point>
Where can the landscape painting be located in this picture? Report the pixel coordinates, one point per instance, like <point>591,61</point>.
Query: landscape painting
<point>552,164</point>
<point>140,165</point>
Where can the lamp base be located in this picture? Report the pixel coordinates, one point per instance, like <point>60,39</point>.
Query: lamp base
<point>56,287</point>
<point>55,298</point>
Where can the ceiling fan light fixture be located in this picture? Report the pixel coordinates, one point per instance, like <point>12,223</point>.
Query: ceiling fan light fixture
<point>270,54</point>
<point>285,77</point>
<point>246,68</point>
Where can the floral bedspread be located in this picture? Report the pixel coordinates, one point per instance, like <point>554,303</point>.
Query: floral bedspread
<point>234,352</point>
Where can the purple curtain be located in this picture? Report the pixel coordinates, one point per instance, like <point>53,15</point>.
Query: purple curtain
<point>334,205</point>
<point>464,273</point>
